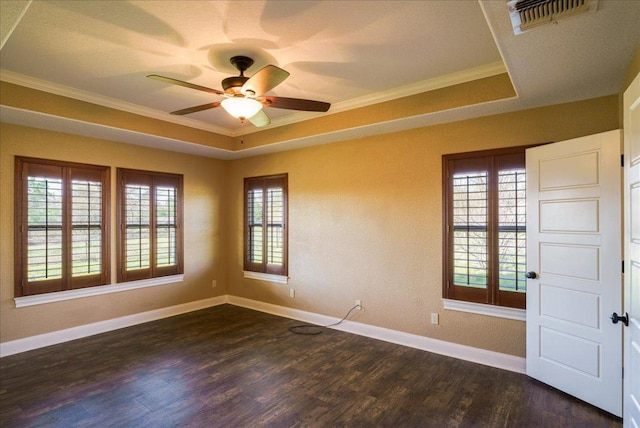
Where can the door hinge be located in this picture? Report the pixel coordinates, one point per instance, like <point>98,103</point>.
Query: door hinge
<point>623,266</point>
<point>622,160</point>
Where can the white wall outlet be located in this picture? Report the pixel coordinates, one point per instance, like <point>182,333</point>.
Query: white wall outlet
<point>434,318</point>
<point>359,304</point>
<point>292,292</point>
<point>214,283</point>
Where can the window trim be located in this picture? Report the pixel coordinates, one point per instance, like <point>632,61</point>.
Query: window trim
<point>264,267</point>
<point>66,283</point>
<point>280,279</point>
<point>489,296</point>
<point>61,296</point>
<point>125,175</point>
<point>485,309</point>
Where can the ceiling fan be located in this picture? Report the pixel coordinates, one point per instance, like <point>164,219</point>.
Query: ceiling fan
<point>244,96</point>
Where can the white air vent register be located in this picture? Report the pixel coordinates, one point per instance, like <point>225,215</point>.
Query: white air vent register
<point>528,14</point>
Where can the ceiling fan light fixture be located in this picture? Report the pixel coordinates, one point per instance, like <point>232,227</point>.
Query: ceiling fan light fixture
<point>241,107</point>
<point>240,92</point>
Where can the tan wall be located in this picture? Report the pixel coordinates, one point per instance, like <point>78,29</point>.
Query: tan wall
<point>634,69</point>
<point>632,72</point>
<point>205,252</point>
<point>365,221</point>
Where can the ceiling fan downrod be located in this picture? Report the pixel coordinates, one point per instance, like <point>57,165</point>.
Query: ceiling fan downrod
<point>232,85</point>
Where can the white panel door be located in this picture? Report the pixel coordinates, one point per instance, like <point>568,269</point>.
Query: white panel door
<point>574,245</point>
<point>632,254</point>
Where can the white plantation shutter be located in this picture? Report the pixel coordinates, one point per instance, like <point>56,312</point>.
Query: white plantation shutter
<point>86,227</point>
<point>44,228</point>
<point>255,226</point>
<point>275,224</point>
<point>61,222</point>
<point>265,245</point>
<point>484,243</point>
<point>137,226</point>
<point>150,218</point>
<point>166,226</point>
<point>512,230</point>
<point>470,227</point>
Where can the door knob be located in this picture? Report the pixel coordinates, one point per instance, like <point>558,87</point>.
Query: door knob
<point>531,275</point>
<point>624,318</point>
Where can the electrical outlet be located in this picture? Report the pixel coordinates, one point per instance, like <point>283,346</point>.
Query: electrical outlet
<point>292,292</point>
<point>434,318</point>
<point>214,283</point>
<point>359,304</point>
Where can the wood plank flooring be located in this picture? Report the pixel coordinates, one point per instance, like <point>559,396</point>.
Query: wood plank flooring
<point>232,367</point>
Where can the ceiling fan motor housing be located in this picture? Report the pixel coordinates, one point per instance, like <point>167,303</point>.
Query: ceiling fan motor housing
<point>233,84</point>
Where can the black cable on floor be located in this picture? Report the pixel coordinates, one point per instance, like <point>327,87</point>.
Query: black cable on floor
<point>313,330</point>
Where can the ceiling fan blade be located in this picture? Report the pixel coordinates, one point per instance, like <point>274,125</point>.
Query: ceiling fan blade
<point>260,119</point>
<point>185,84</point>
<point>196,108</point>
<point>264,80</point>
<point>295,104</point>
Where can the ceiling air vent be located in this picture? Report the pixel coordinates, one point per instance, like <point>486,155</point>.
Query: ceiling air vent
<point>527,14</point>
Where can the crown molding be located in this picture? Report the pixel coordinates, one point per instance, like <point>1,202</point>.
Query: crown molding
<point>439,82</point>
<point>67,125</point>
<point>80,95</point>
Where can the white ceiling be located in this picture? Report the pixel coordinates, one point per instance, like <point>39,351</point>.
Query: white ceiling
<point>348,53</point>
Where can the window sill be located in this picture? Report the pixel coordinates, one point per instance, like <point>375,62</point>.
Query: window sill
<point>482,309</point>
<point>41,299</point>
<point>280,279</point>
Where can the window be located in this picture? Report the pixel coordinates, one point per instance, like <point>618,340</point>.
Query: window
<point>265,224</point>
<point>484,227</point>
<point>150,221</point>
<point>61,226</point>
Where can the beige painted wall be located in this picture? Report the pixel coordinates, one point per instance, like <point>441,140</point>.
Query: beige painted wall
<point>365,221</point>
<point>632,72</point>
<point>634,69</point>
<point>205,252</point>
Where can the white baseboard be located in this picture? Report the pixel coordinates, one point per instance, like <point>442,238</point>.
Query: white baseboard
<point>61,336</point>
<point>468,353</point>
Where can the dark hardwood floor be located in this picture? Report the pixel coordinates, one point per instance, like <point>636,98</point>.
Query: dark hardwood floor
<point>232,367</point>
